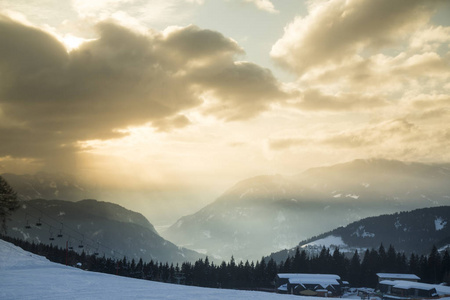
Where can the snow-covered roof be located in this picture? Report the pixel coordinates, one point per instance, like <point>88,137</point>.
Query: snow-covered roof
<point>283,287</point>
<point>402,284</point>
<point>308,276</point>
<point>398,276</point>
<point>322,282</point>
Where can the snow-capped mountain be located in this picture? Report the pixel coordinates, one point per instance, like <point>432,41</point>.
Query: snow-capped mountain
<point>414,231</point>
<point>268,213</point>
<point>99,227</point>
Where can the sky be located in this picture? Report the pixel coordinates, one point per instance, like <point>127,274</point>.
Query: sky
<point>187,97</point>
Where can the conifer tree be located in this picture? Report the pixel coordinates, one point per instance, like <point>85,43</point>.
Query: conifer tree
<point>8,202</point>
<point>355,270</point>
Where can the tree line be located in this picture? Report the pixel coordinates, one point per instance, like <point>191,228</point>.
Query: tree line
<point>361,269</point>
<point>259,275</point>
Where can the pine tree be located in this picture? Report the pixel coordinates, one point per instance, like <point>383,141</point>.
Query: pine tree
<point>8,202</point>
<point>446,267</point>
<point>434,266</point>
<point>355,270</point>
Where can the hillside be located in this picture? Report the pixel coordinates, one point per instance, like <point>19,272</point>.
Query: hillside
<point>48,186</point>
<point>411,232</point>
<point>264,214</point>
<point>28,276</point>
<point>98,226</point>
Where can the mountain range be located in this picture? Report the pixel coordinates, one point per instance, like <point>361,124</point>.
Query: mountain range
<point>49,186</point>
<point>263,214</point>
<point>94,227</point>
<point>415,231</point>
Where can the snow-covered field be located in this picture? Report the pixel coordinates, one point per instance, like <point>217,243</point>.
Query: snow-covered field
<point>27,276</point>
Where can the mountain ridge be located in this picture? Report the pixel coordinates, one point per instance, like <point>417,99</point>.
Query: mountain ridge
<point>266,212</point>
<point>414,231</point>
<point>94,224</point>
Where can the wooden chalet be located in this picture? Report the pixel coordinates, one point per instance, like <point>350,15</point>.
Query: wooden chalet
<point>322,285</point>
<point>401,289</point>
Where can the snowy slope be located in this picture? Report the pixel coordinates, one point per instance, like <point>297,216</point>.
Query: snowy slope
<point>27,276</point>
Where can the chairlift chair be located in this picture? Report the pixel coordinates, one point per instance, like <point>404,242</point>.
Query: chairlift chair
<point>60,235</point>
<point>38,223</point>
<point>96,250</point>
<point>51,238</point>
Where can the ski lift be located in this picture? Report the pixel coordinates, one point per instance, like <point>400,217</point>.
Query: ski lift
<point>81,243</point>
<point>38,223</point>
<point>96,250</point>
<point>28,226</point>
<point>51,238</point>
<point>70,247</point>
<point>60,235</point>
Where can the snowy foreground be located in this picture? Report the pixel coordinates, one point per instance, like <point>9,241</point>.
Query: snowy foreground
<point>27,276</point>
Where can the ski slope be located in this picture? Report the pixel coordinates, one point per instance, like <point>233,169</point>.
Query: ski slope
<point>27,276</point>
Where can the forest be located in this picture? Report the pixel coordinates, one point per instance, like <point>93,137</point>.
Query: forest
<point>358,269</point>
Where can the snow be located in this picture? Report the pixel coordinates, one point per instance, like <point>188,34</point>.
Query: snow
<point>398,276</point>
<point>305,276</point>
<point>27,276</point>
<point>440,289</point>
<point>328,241</point>
<point>352,196</point>
<point>439,223</point>
<point>361,232</point>
<point>323,282</point>
<point>397,224</point>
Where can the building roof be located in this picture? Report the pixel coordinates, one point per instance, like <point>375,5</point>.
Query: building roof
<point>401,284</point>
<point>322,282</point>
<point>440,289</point>
<point>398,276</point>
<point>308,276</point>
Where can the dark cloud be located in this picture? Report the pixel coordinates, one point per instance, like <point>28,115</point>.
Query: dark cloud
<point>244,89</point>
<point>52,98</point>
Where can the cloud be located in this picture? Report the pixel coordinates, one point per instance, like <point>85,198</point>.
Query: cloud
<point>136,12</point>
<point>314,100</point>
<point>334,31</point>
<point>265,5</point>
<point>362,55</point>
<point>53,98</point>
<point>169,124</point>
<point>286,143</point>
<point>244,90</point>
